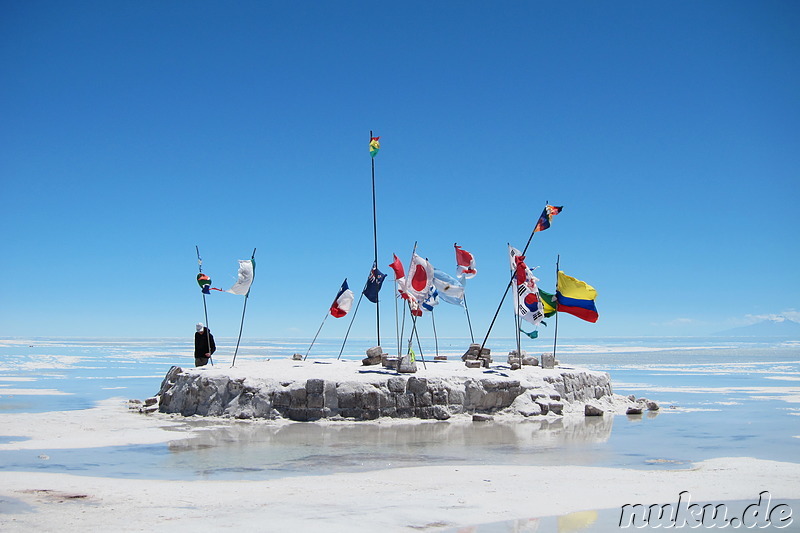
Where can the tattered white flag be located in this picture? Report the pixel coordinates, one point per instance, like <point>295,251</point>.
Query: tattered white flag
<point>247,269</point>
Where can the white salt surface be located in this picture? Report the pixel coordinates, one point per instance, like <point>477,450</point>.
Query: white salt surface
<point>427,498</point>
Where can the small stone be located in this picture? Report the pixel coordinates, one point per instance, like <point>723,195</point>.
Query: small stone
<point>652,406</point>
<point>150,401</point>
<point>632,398</point>
<point>633,411</point>
<point>473,363</point>
<point>477,417</point>
<point>440,358</point>
<point>548,360</point>
<point>591,410</point>
<point>297,357</point>
<point>369,361</point>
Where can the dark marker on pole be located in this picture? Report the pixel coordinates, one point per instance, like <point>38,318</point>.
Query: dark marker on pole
<point>205,309</point>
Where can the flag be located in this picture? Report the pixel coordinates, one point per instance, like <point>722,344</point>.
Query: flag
<point>533,334</point>
<point>247,271</point>
<point>420,277</point>
<point>374,283</point>
<point>546,217</point>
<point>343,301</point>
<point>548,302</point>
<point>449,288</point>
<point>374,146</point>
<point>399,276</point>
<point>526,294</point>
<point>432,300</point>
<point>466,263</point>
<point>414,306</point>
<point>576,297</point>
<point>205,284</point>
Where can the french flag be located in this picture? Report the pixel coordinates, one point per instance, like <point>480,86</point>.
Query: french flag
<point>343,301</point>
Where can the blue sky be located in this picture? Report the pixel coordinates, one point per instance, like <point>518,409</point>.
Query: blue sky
<point>133,131</point>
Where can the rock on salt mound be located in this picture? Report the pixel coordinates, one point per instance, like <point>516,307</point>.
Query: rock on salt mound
<point>304,390</point>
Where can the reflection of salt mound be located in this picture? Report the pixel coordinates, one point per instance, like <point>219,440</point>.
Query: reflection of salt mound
<point>300,390</point>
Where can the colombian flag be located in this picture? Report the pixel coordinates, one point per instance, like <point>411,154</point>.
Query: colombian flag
<point>576,297</point>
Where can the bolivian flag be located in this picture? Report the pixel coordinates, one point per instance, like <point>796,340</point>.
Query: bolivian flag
<point>576,297</point>
<point>374,146</point>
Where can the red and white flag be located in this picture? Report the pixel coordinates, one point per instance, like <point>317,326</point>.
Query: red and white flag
<point>343,301</point>
<point>527,303</point>
<point>466,263</point>
<point>420,278</point>
<point>399,276</point>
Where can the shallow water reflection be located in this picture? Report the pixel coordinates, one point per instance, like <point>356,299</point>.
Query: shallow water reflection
<point>257,450</point>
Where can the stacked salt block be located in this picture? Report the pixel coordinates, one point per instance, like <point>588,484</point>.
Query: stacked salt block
<point>476,358</point>
<point>516,362</point>
<point>535,393</point>
<point>375,356</point>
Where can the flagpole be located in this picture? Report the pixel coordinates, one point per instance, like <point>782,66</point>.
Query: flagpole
<point>375,242</point>
<point>517,322</point>
<point>555,333</point>
<point>244,309</point>
<point>503,299</point>
<point>414,333</point>
<point>397,318</point>
<point>315,336</point>
<point>351,323</point>
<point>435,336</point>
<point>466,308</point>
<point>205,309</point>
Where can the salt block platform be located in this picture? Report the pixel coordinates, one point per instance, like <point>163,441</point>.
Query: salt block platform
<point>345,389</point>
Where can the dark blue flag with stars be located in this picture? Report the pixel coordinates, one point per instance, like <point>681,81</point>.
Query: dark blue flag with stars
<point>374,283</point>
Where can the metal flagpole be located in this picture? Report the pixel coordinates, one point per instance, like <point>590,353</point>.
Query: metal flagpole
<point>205,309</point>
<point>244,308</point>
<point>414,333</point>
<point>375,242</point>
<point>435,336</point>
<point>315,336</point>
<point>397,318</point>
<point>466,308</point>
<point>503,299</point>
<point>555,333</point>
<point>352,319</point>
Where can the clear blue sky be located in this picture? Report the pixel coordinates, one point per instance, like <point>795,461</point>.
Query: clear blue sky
<point>133,131</point>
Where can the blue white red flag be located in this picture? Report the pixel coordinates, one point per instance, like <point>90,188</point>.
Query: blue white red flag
<point>343,301</point>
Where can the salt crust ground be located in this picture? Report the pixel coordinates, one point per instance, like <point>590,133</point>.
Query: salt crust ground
<point>422,498</point>
<point>403,499</point>
<point>426,497</point>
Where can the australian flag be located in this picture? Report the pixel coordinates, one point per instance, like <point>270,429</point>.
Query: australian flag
<point>374,283</point>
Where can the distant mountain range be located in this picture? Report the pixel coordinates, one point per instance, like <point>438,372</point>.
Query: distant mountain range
<point>766,328</point>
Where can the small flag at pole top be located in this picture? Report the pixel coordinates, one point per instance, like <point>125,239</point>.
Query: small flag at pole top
<point>546,217</point>
<point>374,146</point>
